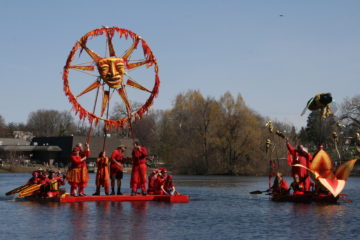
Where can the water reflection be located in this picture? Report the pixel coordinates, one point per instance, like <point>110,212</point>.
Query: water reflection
<point>79,220</point>
<point>138,222</point>
<point>220,208</point>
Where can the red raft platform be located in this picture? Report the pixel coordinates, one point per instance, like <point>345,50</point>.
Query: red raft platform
<point>114,198</point>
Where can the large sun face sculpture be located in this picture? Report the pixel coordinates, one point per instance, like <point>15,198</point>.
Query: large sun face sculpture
<point>111,73</point>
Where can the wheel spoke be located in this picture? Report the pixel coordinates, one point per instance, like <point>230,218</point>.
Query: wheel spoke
<point>131,49</point>
<point>135,65</point>
<point>136,85</point>
<point>109,36</point>
<point>105,102</point>
<point>94,85</point>
<point>87,68</point>
<point>88,73</point>
<point>92,54</point>
<point>83,63</point>
<point>124,97</point>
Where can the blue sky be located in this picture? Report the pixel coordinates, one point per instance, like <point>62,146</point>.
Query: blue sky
<point>275,62</point>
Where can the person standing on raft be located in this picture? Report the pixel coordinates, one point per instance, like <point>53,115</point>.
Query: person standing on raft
<point>116,168</point>
<point>84,152</point>
<point>102,174</point>
<point>299,156</point>
<point>138,173</point>
<point>77,174</point>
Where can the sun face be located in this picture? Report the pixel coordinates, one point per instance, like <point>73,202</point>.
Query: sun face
<point>112,71</point>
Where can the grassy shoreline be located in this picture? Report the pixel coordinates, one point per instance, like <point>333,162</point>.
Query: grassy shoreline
<point>22,169</point>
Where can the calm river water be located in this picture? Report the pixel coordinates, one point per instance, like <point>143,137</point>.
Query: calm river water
<point>220,208</point>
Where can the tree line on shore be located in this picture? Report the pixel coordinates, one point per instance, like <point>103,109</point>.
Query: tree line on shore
<point>203,135</point>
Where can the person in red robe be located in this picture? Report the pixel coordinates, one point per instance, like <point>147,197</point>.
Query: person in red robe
<point>45,184</point>
<point>84,152</point>
<point>160,181</point>
<point>280,185</point>
<point>138,173</point>
<point>35,178</point>
<point>77,174</point>
<point>152,181</point>
<point>299,156</point>
<point>116,168</point>
<point>168,187</point>
<point>55,180</point>
<point>102,174</point>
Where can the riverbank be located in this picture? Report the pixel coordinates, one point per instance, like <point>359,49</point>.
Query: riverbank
<point>28,169</point>
<point>23,169</point>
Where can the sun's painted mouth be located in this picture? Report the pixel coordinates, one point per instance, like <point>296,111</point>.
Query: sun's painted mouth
<point>114,81</point>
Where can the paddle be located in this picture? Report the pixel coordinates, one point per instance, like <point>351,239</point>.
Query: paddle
<point>259,192</point>
<point>342,197</point>
<point>18,189</point>
<point>28,191</point>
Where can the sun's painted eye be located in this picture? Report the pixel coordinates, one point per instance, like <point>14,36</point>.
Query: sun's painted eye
<point>104,66</point>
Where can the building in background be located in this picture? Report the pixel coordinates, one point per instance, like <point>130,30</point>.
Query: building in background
<point>20,151</point>
<point>55,150</point>
<point>66,143</point>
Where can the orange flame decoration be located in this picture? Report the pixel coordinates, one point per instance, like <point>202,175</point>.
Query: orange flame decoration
<point>150,61</point>
<point>322,169</point>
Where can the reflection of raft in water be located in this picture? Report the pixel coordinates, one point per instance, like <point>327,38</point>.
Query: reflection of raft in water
<point>305,198</point>
<point>65,198</point>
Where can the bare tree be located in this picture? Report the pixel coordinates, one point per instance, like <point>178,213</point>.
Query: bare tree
<point>51,123</point>
<point>2,127</point>
<point>350,111</point>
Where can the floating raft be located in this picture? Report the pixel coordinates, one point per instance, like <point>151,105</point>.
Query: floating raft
<point>116,198</point>
<point>305,198</point>
<point>124,198</point>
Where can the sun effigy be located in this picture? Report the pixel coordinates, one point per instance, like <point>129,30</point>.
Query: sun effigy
<point>110,76</point>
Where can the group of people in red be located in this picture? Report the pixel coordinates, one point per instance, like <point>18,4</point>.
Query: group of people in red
<point>49,182</point>
<point>110,171</point>
<point>161,183</point>
<point>301,183</point>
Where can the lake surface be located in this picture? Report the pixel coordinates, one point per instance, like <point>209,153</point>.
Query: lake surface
<point>220,208</point>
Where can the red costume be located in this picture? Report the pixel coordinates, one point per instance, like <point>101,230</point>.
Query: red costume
<point>300,157</point>
<point>85,153</point>
<point>116,168</point>
<point>159,182</point>
<point>138,173</point>
<point>280,186</point>
<point>77,174</point>
<point>169,185</point>
<point>152,181</point>
<point>54,182</point>
<point>35,178</point>
<point>298,188</point>
<point>102,174</point>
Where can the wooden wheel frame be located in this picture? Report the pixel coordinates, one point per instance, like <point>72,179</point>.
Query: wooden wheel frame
<point>111,75</point>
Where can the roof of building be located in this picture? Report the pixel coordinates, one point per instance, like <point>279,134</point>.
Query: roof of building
<point>96,144</point>
<point>28,148</point>
<point>13,141</point>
